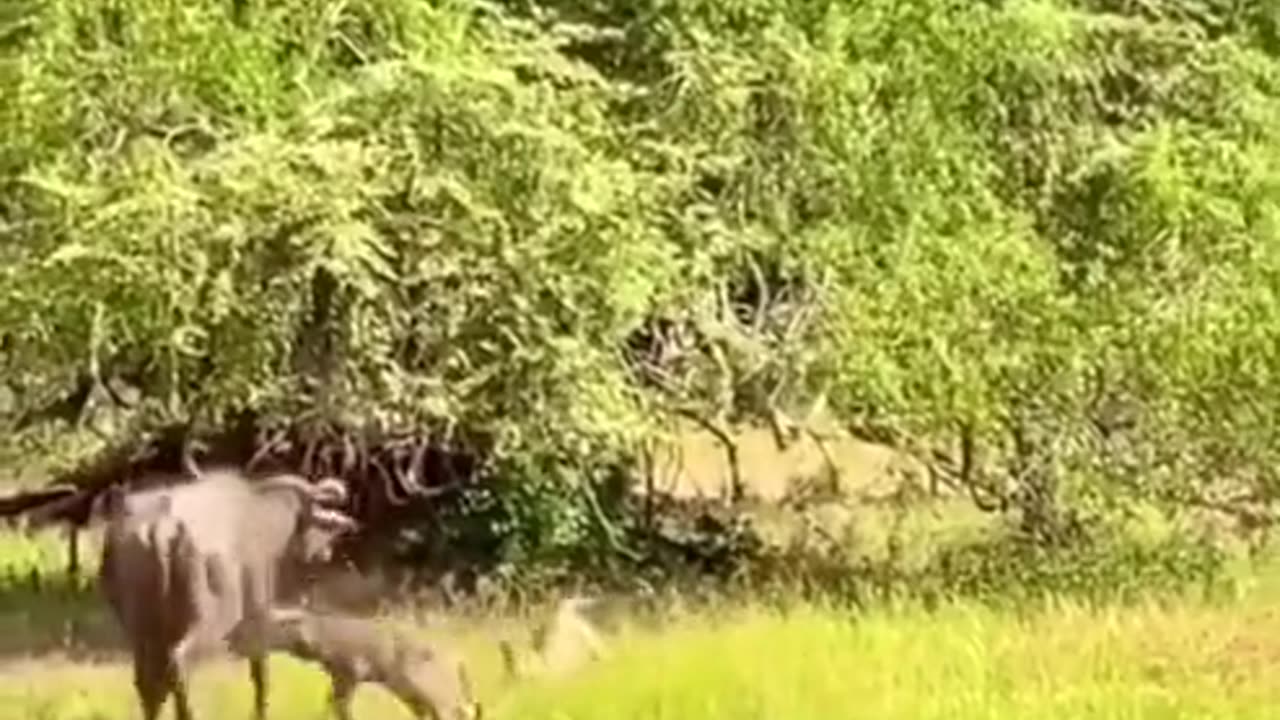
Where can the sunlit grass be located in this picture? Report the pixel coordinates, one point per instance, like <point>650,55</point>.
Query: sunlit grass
<point>1151,661</point>
<point>1183,659</point>
<point>1188,657</point>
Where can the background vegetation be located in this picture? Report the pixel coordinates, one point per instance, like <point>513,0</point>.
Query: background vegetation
<point>1031,245</point>
<point>1034,243</point>
<point>1150,661</point>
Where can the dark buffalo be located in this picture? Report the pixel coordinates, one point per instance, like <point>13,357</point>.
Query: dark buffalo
<point>190,568</point>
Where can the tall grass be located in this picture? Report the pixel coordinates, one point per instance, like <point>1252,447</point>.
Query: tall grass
<point>1183,657</point>
<point>962,662</point>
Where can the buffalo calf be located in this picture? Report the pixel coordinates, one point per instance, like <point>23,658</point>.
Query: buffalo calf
<point>354,650</point>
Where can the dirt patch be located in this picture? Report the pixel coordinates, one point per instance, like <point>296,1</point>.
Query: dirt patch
<point>1251,651</point>
<point>695,465</point>
<point>1248,658</point>
<point>1242,651</point>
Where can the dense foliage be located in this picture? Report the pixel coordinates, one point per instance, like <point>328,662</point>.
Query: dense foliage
<point>1050,228</point>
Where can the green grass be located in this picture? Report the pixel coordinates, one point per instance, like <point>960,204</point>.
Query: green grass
<point>1189,659</point>
<point>962,662</point>
<point>41,609</point>
<point>1178,658</point>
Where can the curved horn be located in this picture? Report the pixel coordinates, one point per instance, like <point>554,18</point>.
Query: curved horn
<point>333,520</point>
<point>297,483</point>
<point>304,490</point>
<point>330,491</point>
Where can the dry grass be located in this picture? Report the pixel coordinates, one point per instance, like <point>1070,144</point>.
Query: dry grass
<point>694,464</point>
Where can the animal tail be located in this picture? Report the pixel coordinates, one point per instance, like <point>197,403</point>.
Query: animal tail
<point>167,537</point>
<point>159,535</point>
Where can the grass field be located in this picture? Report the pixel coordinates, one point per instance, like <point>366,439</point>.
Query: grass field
<point>1183,658</point>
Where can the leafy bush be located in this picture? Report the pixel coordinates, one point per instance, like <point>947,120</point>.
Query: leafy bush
<point>1046,227</point>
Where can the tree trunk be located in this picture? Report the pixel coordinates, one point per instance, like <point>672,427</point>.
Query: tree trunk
<point>73,554</point>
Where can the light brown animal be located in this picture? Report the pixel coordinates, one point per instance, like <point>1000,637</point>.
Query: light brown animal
<point>352,650</point>
<point>562,644</point>
<point>185,566</point>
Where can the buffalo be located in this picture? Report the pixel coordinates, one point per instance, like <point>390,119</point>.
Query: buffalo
<point>192,567</point>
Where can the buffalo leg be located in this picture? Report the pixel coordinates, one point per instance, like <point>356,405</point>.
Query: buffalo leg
<point>422,710</point>
<point>211,594</point>
<point>182,657</point>
<point>181,704</point>
<point>176,670</point>
<point>152,681</point>
<point>419,703</point>
<point>344,690</point>
<point>257,599</point>
<point>178,673</point>
<point>259,675</point>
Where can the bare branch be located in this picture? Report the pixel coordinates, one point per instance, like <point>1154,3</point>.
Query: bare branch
<point>736,488</point>
<point>763,299</point>
<point>390,486</point>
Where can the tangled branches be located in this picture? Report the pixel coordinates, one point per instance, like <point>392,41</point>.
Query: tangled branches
<point>385,472</point>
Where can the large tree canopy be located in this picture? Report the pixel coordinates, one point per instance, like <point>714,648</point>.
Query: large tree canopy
<point>1050,226</point>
